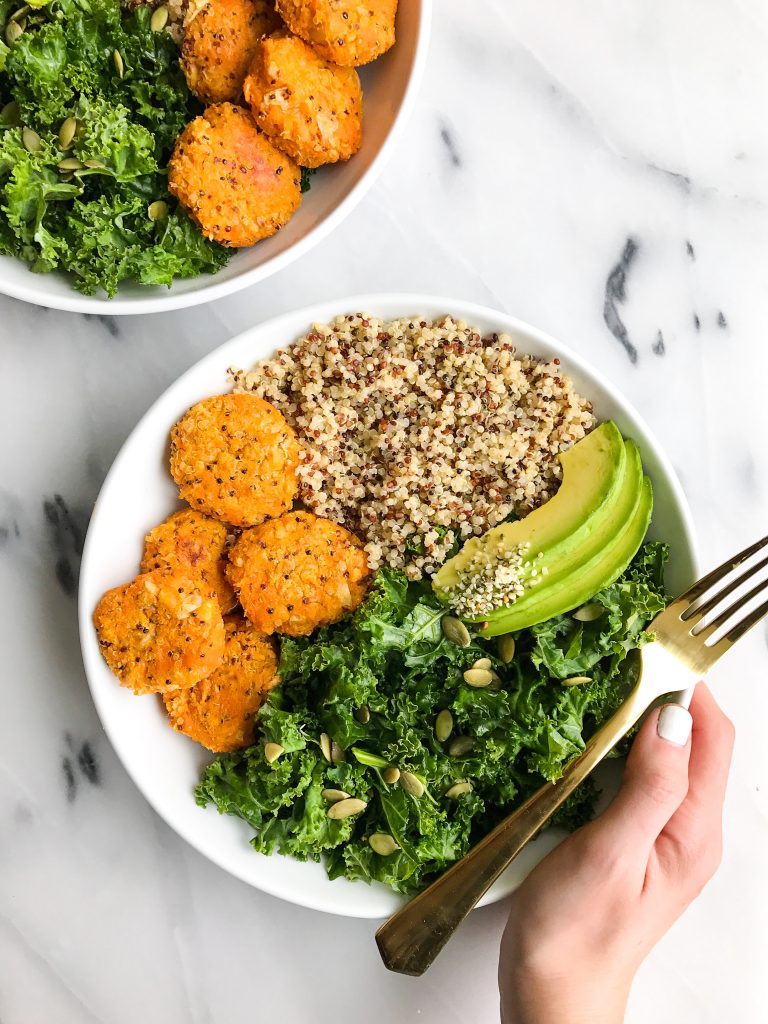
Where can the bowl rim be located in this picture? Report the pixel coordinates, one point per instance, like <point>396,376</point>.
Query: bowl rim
<point>277,326</point>
<point>74,302</point>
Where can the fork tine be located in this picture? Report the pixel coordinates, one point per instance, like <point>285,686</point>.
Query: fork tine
<point>737,632</point>
<point>718,597</point>
<point>703,585</point>
<point>728,612</point>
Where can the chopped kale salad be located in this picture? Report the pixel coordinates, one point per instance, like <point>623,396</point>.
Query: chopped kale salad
<point>358,707</point>
<point>93,102</point>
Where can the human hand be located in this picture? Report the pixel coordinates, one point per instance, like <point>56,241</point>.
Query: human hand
<point>586,917</point>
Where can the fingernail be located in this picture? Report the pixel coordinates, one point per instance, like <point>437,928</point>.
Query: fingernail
<point>674,724</point>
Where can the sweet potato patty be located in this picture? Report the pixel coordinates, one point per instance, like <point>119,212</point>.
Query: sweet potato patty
<point>219,710</point>
<point>297,572</point>
<point>231,180</point>
<point>309,108</point>
<point>219,43</point>
<point>189,541</point>
<point>346,32</point>
<point>235,458</point>
<point>163,631</point>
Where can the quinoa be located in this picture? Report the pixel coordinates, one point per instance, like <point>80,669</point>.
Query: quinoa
<point>417,434</point>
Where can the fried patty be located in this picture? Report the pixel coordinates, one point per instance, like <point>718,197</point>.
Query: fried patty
<point>189,541</point>
<point>234,184</point>
<point>219,43</point>
<point>234,457</point>
<point>163,631</point>
<point>309,108</point>
<point>298,572</point>
<point>219,710</point>
<point>346,32</point>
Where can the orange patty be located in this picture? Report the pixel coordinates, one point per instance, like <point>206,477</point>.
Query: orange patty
<point>298,572</point>
<point>234,457</point>
<point>163,631</point>
<point>190,541</point>
<point>231,180</point>
<point>347,32</point>
<point>219,711</point>
<point>219,43</point>
<point>309,108</point>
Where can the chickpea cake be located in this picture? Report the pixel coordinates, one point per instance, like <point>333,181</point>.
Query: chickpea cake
<point>235,458</point>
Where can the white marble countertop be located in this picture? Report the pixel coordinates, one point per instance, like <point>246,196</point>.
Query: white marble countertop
<point>598,169</point>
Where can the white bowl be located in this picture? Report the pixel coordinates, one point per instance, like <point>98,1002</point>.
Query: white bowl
<point>390,85</point>
<point>138,493</point>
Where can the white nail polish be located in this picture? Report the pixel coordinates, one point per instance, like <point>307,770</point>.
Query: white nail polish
<point>674,724</point>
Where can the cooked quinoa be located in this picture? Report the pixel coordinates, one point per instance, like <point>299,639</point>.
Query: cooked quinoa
<point>420,434</point>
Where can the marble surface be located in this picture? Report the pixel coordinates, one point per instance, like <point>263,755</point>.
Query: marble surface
<point>599,169</point>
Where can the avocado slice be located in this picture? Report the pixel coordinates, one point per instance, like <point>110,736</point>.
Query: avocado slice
<point>572,546</point>
<point>593,475</point>
<point>598,572</point>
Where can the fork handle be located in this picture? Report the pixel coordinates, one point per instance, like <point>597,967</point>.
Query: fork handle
<point>411,939</point>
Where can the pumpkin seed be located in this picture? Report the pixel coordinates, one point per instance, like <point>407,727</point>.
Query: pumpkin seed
<point>272,751</point>
<point>483,663</point>
<point>478,677</point>
<point>337,754</point>
<point>459,789</point>
<point>363,715</point>
<point>19,14</point>
<point>391,775</point>
<point>94,163</point>
<point>505,645</point>
<point>157,210</point>
<point>382,843</point>
<point>334,795</point>
<point>159,18</point>
<point>455,631</point>
<point>588,612</point>
<point>346,808</point>
<point>67,132</point>
<point>443,725</point>
<point>461,746</point>
<point>10,115</point>
<point>325,745</point>
<point>412,785</point>
<point>576,680</point>
<point>13,32</point>
<point>70,163</point>
<point>119,63</point>
<point>31,140</point>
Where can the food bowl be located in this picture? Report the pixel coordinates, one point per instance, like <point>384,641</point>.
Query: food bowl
<point>389,85</point>
<point>138,493</point>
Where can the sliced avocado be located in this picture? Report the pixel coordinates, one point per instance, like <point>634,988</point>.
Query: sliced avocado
<point>593,475</point>
<point>604,566</point>
<point>564,552</point>
<point>609,520</point>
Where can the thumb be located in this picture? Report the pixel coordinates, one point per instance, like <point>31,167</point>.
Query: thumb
<point>656,776</point>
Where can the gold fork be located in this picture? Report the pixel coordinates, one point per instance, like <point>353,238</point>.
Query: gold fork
<point>677,658</point>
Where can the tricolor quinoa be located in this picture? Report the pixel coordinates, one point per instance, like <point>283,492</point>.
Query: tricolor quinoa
<point>418,434</point>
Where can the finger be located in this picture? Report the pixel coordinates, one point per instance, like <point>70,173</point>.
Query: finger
<point>692,839</point>
<point>655,780</point>
<point>711,751</point>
